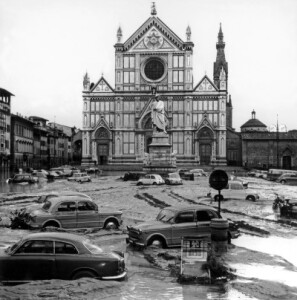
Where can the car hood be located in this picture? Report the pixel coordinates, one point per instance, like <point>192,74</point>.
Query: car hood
<point>151,225</point>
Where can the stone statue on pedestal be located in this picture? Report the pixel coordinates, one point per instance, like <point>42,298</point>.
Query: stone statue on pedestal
<point>158,115</point>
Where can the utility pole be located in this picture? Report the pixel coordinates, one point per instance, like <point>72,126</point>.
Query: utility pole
<point>277,140</point>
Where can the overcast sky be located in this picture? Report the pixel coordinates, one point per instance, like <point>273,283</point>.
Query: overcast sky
<point>46,46</point>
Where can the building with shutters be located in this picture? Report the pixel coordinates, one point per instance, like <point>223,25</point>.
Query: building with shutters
<point>117,127</point>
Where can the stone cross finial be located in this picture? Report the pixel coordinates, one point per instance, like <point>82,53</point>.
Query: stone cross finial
<point>119,35</point>
<point>188,33</point>
<point>153,10</point>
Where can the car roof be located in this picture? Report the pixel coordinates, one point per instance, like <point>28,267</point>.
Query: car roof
<point>186,207</point>
<point>58,199</point>
<point>55,235</point>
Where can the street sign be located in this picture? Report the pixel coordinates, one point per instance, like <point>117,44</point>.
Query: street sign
<point>218,179</point>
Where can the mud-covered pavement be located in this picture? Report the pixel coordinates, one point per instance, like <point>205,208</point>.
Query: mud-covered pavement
<point>263,258</point>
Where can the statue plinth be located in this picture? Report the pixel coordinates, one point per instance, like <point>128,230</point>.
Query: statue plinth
<point>160,159</point>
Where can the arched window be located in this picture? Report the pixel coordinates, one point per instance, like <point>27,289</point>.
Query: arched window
<point>85,120</point>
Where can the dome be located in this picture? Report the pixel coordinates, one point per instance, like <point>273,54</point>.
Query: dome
<point>253,124</point>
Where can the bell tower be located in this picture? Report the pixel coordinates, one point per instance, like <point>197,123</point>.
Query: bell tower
<point>220,67</point>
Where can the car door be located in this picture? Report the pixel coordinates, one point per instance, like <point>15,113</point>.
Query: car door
<point>236,191</point>
<point>66,260</point>
<point>203,221</point>
<point>184,225</point>
<point>87,214</point>
<point>34,260</point>
<point>66,214</point>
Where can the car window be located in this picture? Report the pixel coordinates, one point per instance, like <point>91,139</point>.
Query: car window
<point>236,186</point>
<point>67,206</point>
<point>205,215</point>
<point>46,206</point>
<point>35,247</point>
<point>184,217</point>
<point>86,206</point>
<point>65,248</point>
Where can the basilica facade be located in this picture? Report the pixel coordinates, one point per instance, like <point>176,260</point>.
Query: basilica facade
<point>117,125</point>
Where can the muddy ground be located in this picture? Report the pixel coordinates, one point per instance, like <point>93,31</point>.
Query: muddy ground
<point>262,259</point>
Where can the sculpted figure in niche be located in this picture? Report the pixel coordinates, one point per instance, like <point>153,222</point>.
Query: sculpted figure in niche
<point>158,115</point>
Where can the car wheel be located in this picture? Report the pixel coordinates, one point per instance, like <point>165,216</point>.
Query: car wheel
<point>229,238</point>
<point>157,242</point>
<point>51,224</point>
<point>283,181</point>
<point>216,198</point>
<point>83,274</point>
<point>154,183</point>
<point>251,198</point>
<point>111,224</point>
<point>139,183</point>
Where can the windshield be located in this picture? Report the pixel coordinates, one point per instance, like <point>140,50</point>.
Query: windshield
<point>165,215</point>
<point>94,249</point>
<point>13,247</point>
<point>46,206</point>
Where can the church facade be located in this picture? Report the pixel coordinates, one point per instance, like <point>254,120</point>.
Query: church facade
<point>117,125</point>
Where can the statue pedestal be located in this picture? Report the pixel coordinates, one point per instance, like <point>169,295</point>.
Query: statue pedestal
<point>160,159</point>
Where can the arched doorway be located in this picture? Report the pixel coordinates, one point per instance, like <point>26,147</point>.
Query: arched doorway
<point>287,159</point>
<point>205,139</point>
<point>102,139</point>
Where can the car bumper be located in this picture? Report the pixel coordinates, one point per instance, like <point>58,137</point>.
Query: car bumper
<point>134,242</point>
<point>117,277</point>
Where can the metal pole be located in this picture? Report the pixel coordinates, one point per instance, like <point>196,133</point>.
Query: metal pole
<point>219,201</point>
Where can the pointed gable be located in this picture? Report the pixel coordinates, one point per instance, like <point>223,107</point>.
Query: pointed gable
<point>153,33</point>
<point>205,85</point>
<point>102,86</point>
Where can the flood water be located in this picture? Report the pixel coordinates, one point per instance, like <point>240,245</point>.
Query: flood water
<point>146,282</point>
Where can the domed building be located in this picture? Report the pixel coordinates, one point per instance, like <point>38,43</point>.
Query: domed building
<point>267,149</point>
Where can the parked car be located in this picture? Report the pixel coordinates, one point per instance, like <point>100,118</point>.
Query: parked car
<point>23,178</point>
<point>198,172</point>
<point>172,223</point>
<point>39,175</point>
<point>133,175</point>
<point>57,255</point>
<point>53,175</point>
<point>151,179</point>
<point>67,171</point>
<point>80,177</point>
<point>235,190</point>
<point>287,178</point>
<point>73,212</point>
<point>289,209</point>
<point>173,178</point>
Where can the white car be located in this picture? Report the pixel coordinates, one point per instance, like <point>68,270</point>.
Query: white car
<point>151,179</point>
<point>80,177</point>
<point>173,178</point>
<point>235,190</point>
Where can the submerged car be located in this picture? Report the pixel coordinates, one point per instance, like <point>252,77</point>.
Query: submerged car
<point>80,177</point>
<point>43,198</point>
<point>56,255</point>
<point>173,178</point>
<point>235,190</point>
<point>287,178</point>
<point>73,212</point>
<point>23,178</point>
<point>172,223</point>
<point>151,179</point>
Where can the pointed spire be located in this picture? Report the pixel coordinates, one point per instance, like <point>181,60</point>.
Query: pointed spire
<point>153,9</point>
<point>188,33</point>
<point>86,82</point>
<point>220,35</point>
<point>119,34</point>
<point>253,114</point>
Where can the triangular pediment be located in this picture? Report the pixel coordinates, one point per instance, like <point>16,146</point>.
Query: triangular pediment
<point>205,122</point>
<point>205,85</point>
<point>101,129</point>
<point>153,40</point>
<point>102,86</point>
<point>152,35</point>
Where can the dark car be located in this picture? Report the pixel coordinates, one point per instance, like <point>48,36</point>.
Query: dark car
<point>73,212</point>
<point>290,179</point>
<point>133,175</point>
<point>22,178</point>
<point>57,255</point>
<point>172,223</point>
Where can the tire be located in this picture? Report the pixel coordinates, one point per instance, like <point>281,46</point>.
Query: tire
<point>283,181</point>
<point>229,237</point>
<point>139,183</point>
<point>154,183</point>
<point>51,224</point>
<point>111,224</point>
<point>216,198</point>
<point>157,242</point>
<point>83,274</point>
<point>251,198</point>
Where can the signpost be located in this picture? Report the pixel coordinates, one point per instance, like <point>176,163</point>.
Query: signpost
<point>218,180</point>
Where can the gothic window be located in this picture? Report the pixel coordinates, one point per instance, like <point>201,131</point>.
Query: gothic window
<point>128,143</point>
<point>205,105</point>
<point>118,61</point>
<point>188,120</point>
<point>129,62</point>
<point>118,77</point>
<point>85,106</point>
<point>188,75</point>
<point>175,105</point>
<point>180,106</point>
<point>188,60</point>
<point>222,120</point>
<point>178,76</point>
<point>107,106</point>
<point>102,106</point>
<point>210,103</point>
<point>118,146</point>
<point>200,105</point>
<point>195,119</point>
<point>178,142</point>
<point>85,145</point>
<point>92,105</point>
<point>92,120</point>
<point>188,146</point>
<point>195,105</point>
<point>118,121</point>
<point>215,105</point>
<point>128,120</point>
<point>85,120</point>
<point>178,61</point>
